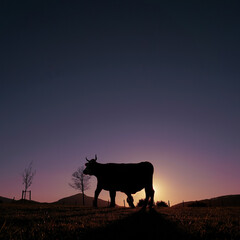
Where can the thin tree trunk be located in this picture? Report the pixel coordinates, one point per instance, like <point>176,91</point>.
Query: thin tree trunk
<point>83,191</point>
<point>83,200</point>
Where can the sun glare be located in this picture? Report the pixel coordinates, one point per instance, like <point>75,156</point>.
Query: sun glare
<point>160,194</point>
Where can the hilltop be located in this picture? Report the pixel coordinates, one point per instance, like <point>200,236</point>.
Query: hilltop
<point>5,200</point>
<point>70,200</point>
<point>222,201</point>
<point>77,200</point>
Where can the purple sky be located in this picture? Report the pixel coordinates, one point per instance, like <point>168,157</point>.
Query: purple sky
<point>130,81</point>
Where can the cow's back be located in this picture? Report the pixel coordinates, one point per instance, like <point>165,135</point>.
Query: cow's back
<point>130,177</point>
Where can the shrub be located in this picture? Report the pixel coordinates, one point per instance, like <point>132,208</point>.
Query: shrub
<point>142,201</point>
<point>161,204</point>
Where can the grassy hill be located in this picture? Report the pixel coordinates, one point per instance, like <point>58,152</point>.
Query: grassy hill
<point>77,200</point>
<point>223,201</point>
<point>5,200</point>
<point>71,200</point>
<point>52,221</point>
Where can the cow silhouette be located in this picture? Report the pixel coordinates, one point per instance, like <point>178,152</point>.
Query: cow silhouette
<point>127,178</point>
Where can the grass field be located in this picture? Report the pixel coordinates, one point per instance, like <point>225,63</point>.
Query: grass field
<point>46,221</point>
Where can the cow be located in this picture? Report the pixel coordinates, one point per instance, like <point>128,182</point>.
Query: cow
<point>127,178</point>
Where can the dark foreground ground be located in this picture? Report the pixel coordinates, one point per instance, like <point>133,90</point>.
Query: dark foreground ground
<point>46,221</point>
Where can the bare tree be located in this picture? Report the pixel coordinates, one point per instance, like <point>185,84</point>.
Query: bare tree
<point>27,177</point>
<point>80,181</point>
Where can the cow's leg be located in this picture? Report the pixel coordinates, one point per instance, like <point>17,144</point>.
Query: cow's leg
<point>147,197</point>
<point>112,196</point>
<point>149,194</point>
<point>130,200</point>
<point>151,197</point>
<point>97,192</point>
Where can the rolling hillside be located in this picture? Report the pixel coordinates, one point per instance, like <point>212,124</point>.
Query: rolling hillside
<point>77,200</point>
<point>5,200</point>
<point>223,201</point>
<point>71,200</point>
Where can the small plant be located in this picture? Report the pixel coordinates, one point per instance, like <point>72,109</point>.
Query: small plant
<point>141,202</point>
<point>161,204</point>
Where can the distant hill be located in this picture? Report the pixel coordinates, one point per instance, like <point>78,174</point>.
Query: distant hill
<point>9,200</point>
<point>5,200</point>
<point>223,201</point>
<point>77,200</point>
<point>26,201</point>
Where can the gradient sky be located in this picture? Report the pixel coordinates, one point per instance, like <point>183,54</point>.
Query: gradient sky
<point>131,81</point>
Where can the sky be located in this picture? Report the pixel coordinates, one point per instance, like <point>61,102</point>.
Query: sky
<point>130,81</point>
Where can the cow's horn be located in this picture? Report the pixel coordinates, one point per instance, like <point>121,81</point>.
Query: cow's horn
<point>95,157</point>
<point>87,159</point>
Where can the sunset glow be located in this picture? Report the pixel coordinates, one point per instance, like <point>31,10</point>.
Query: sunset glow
<point>130,82</point>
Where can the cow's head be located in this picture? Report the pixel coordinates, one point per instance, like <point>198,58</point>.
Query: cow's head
<point>90,166</point>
